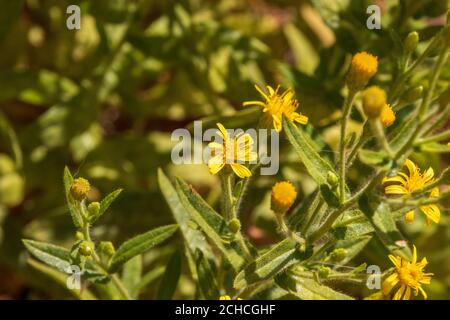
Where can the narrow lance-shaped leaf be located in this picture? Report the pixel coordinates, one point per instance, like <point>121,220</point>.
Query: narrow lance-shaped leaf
<point>316,166</point>
<point>171,277</point>
<point>308,289</point>
<point>105,203</point>
<point>212,224</point>
<point>131,275</point>
<point>278,258</point>
<point>385,228</point>
<point>194,238</point>
<point>207,276</point>
<point>139,245</point>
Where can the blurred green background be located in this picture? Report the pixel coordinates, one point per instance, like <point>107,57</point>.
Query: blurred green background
<point>104,100</point>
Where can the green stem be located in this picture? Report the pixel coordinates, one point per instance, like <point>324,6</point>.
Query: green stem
<point>345,117</point>
<point>379,133</point>
<point>426,101</point>
<point>286,231</point>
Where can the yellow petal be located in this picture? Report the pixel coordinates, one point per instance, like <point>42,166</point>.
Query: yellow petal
<point>399,293</point>
<point>409,216</point>
<point>414,257</point>
<point>407,294</point>
<point>222,130</point>
<point>394,179</point>
<point>389,283</point>
<point>396,261</point>
<point>395,190</point>
<point>424,294</point>
<point>254,103</point>
<point>241,170</point>
<point>277,123</point>
<point>411,167</point>
<point>214,168</point>
<point>261,92</point>
<point>432,212</point>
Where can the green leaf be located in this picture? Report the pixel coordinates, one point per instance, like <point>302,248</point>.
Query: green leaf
<point>139,245</point>
<point>316,166</point>
<point>194,239</point>
<point>74,213</point>
<point>353,247</point>
<point>212,224</point>
<point>59,258</point>
<point>269,264</point>
<point>434,147</point>
<point>171,277</point>
<point>403,134</point>
<point>131,275</point>
<point>383,222</point>
<point>308,289</point>
<point>207,276</point>
<point>372,158</point>
<point>329,196</point>
<point>55,256</point>
<point>106,202</point>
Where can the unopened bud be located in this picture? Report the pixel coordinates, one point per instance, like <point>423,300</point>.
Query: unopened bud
<point>332,179</point>
<point>234,225</point>
<point>107,248</point>
<point>86,248</point>
<point>93,209</point>
<point>338,254</point>
<point>411,42</point>
<point>374,99</point>
<point>79,235</point>
<point>324,272</point>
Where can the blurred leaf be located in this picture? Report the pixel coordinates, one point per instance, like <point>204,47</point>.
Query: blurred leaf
<point>308,289</point>
<point>434,147</point>
<point>139,244</point>
<point>194,238</point>
<point>131,275</point>
<point>171,277</point>
<point>8,16</point>
<point>207,277</point>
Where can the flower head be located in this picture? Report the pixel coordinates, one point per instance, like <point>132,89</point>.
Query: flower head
<point>405,184</point>
<point>276,105</point>
<point>362,68</point>
<point>374,100</point>
<point>80,188</point>
<point>231,151</point>
<point>227,297</point>
<point>283,196</point>
<point>407,276</point>
<point>387,115</point>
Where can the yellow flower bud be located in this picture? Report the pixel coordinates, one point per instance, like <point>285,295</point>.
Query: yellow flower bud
<point>93,208</point>
<point>234,225</point>
<point>338,254</point>
<point>387,116</point>
<point>374,99</point>
<point>411,41</point>
<point>362,68</point>
<point>283,196</point>
<point>86,248</point>
<point>80,188</point>
<point>107,248</point>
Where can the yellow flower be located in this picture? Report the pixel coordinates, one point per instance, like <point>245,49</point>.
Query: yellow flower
<point>283,196</point>
<point>407,276</point>
<point>230,151</point>
<point>276,105</point>
<point>80,188</point>
<point>404,184</point>
<point>227,297</point>
<point>373,101</point>
<point>362,68</point>
<point>387,116</point>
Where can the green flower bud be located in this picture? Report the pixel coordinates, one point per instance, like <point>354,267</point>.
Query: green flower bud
<point>338,254</point>
<point>234,225</point>
<point>107,248</point>
<point>93,209</point>
<point>86,248</point>
<point>79,235</point>
<point>332,179</point>
<point>413,94</point>
<point>324,272</point>
<point>411,42</point>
